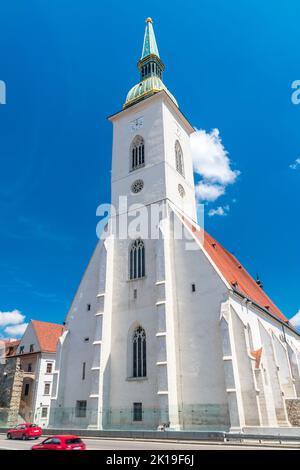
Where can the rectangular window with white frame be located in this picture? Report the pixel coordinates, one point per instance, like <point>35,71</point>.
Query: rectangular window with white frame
<point>47,389</point>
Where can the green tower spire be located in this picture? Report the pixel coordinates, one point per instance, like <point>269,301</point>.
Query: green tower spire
<point>150,64</point>
<point>151,69</point>
<point>149,46</point>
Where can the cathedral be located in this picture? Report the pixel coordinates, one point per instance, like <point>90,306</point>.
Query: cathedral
<point>167,330</point>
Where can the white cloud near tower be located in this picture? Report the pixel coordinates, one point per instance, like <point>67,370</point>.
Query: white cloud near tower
<point>212,163</point>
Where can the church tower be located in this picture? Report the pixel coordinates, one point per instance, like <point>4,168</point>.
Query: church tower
<point>151,168</point>
<point>151,159</point>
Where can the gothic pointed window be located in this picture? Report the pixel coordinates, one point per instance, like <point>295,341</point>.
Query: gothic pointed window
<point>137,260</point>
<point>139,353</point>
<point>179,158</point>
<point>137,153</point>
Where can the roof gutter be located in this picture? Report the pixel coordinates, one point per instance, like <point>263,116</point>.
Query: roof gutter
<point>283,323</point>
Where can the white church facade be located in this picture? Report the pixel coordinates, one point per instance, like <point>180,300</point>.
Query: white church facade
<point>167,329</point>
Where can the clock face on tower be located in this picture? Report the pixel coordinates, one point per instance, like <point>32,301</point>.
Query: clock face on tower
<point>136,124</point>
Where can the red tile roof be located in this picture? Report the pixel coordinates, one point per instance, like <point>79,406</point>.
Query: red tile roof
<point>234,273</point>
<point>11,342</point>
<point>11,347</point>
<point>47,334</point>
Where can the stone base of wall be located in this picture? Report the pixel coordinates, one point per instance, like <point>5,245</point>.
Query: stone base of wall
<point>293,410</point>
<point>11,382</point>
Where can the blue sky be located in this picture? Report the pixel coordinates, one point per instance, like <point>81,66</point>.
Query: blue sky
<point>67,65</point>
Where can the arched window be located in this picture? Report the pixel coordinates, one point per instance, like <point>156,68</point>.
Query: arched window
<point>137,259</point>
<point>139,353</point>
<point>137,153</point>
<point>179,158</point>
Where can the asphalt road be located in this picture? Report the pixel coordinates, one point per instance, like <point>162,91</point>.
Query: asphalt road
<point>136,445</point>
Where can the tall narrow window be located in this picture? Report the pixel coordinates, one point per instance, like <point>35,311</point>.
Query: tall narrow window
<point>137,411</point>
<point>179,158</point>
<point>139,353</point>
<point>83,371</point>
<point>137,260</point>
<point>137,153</point>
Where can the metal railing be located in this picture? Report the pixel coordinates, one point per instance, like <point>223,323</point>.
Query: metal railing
<point>190,418</point>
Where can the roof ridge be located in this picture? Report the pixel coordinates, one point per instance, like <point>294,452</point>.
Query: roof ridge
<point>49,322</point>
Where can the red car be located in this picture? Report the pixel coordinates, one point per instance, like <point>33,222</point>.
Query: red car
<point>60,443</point>
<point>24,431</point>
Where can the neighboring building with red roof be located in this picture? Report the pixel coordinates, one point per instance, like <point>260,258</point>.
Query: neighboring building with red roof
<point>165,329</point>
<point>36,353</point>
<point>10,347</point>
<point>47,335</point>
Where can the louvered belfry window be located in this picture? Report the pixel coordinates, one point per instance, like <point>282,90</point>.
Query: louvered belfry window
<point>137,153</point>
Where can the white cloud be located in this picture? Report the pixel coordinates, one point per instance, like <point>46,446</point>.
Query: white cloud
<point>295,165</point>
<point>211,162</point>
<point>11,318</point>
<point>295,320</point>
<point>208,192</point>
<point>219,211</point>
<point>16,330</point>
<point>12,323</point>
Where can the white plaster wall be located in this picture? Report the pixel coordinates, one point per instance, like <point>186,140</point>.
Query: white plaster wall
<point>128,313</point>
<point>276,380</point>
<point>28,338</point>
<point>153,173</point>
<point>160,132</point>
<point>42,400</point>
<point>173,123</point>
<point>198,338</point>
<point>246,379</point>
<point>250,314</point>
<point>39,363</point>
<point>80,324</point>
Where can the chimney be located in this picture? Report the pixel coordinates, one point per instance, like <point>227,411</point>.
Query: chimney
<point>259,282</point>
